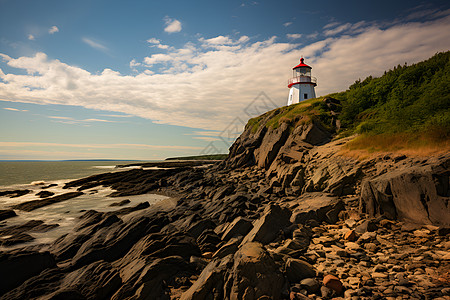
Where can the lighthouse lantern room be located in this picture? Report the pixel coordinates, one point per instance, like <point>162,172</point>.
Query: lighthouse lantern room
<point>301,85</point>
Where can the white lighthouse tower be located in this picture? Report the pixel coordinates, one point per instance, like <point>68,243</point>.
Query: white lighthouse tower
<point>301,85</point>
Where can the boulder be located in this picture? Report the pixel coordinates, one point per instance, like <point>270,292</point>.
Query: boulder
<point>333,283</point>
<point>210,282</point>
<point>297,269</point>
<point>316,206</point>
<point>239,226</point>
<point>6,213</point>
<point>416,194</point>
<point>275,218</point>
<point>19,265</point>
<point>255,272</point>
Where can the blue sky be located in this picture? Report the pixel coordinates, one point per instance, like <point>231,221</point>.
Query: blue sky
<point>153,79</point>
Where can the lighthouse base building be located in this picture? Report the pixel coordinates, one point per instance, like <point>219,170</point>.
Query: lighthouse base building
<point>301,85</point>
<point>300,92</point>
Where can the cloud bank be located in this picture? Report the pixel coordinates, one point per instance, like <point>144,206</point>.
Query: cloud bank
<point>209,82</point>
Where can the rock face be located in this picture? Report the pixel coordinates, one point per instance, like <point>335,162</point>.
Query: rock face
<point>414,194</point>
<point>284,216</point>
<point>18,266</point>
<point>269,226</point>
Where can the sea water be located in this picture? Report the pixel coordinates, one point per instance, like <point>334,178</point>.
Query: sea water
<point>35,176</point>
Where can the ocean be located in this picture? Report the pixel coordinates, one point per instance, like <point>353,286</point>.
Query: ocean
<point>36,175</point>
<point>22,172</point>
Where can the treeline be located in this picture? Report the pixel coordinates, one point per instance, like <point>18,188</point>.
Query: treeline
<point>407,99</point>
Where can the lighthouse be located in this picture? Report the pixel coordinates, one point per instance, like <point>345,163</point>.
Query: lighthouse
<point>301,85</point>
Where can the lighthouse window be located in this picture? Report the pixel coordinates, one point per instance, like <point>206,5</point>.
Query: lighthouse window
<point>305,96</point>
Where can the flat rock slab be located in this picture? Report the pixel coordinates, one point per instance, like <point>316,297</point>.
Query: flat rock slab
<point>6,213</point>
<point>317,206</point>
<point>35,204</point>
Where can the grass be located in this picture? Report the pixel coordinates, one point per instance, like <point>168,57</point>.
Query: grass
<point>301,113</point>
<point>412,144</point>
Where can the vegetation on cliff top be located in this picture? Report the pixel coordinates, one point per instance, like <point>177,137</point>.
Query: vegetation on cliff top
<point>407,107</point>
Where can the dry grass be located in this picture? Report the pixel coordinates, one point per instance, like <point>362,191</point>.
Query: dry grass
<point>419,145</point>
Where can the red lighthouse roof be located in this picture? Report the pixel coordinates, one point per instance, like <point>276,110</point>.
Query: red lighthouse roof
<point>301,64</point>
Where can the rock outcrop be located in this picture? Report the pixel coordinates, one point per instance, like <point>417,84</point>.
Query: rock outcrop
<point>285,216</point>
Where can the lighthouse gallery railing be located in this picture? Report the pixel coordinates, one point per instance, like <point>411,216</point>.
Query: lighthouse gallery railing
<point>305,79</point>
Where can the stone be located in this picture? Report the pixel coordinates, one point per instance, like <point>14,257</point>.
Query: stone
<point>120,203</point>
<point>366,225</point>
<point>311,285</point>
<point>410,193</point>
<point>315,206</point>
<point>350,236</point>
<point>229,248</point>
<point>18,265</point>
<point>6,213</point>
<point>253,266</point>
<point>239,226</point>
<point>333,283</point>
<point>45,194</point>
<point>35,204</point>
<point>297,269</point>
<point>268,227</point>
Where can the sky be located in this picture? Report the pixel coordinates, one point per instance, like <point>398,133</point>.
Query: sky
<point>146,80</point>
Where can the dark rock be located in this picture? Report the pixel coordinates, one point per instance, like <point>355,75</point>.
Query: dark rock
<point>34,204</point>
<point>239,226</point>
<point>49,186</point>
<point>15,193</point>
<point>6,213</point>
<point>17,233</point>
<point>413,194</point>
<point>44,194</point>
<point>366,226</point>
<point>127,210</point>
<point>254,268</point>
<point>268,227</point>
<point>18,265</point>
<point>150,282</point>
<point>210,282</point>
<point>316,206</point>
<point>121,203</point>
<point>17,238</point>
<point>229,248</point>
<point>297,269</point>
<point>332,282</point>
<point>310,284</point>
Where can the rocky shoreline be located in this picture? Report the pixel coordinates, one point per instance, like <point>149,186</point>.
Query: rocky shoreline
<point>285,216</point>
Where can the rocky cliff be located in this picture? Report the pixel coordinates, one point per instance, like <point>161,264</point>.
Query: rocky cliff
<point>299,156</point>
<point>285,216</point>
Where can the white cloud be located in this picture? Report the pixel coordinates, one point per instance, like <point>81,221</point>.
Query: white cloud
<point>134,63</point>
<point>157,58</point>
<point>95,44</point>
<point>157,43</point>
<point>172,25</point>
<point>294,36</point>
<point>31,37</point>
<point>96,146</point>
<point>337,30</point>
<point>98,120</point>
<point>219,40</point>
<point>332,24</point>
<point>60,118</point>
<point>14,109</point>
<point>208,88</point>
<point>153,41</point>
<point>53,30</point>
<point>287,24</point>
<point>312,35</point>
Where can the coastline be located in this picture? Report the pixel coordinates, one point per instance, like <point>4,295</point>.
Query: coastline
<point>225,221</point>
